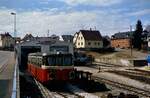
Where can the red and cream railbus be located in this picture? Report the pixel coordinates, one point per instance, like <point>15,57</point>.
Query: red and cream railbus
<point>47,67</point>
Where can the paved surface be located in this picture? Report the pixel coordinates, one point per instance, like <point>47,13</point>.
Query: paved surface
<point>7,63</point>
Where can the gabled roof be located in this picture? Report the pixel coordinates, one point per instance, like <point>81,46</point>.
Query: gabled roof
<point>28,37</point>
<point>148,35</point>
<point>67,38</point>
<point>147,28</point>
<point>93,35</point>
<point>6,34</point>
<point>123,35</point>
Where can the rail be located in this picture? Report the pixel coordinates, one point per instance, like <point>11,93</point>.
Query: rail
<point>138,91</point>
<point>15,85</point>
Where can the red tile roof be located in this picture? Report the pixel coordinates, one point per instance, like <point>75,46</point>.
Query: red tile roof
<point>93,35</point>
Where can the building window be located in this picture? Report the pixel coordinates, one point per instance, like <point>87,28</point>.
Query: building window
<point>78,43</point>
<point>81,38</point>
<point>95,43</point>
<point>89,43</point>
<point>81,43</point>
<point>98,43</point>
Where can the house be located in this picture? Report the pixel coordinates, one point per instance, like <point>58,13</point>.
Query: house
<point>88,39</point>
<point>6,40</point>
<point>28,37</point>
<point>67,38</point>
<point>148,37</point>
<point>55,37</point>
<point>17,39</point>
<point>121,39</point>
<point>148,40</point>
<point>106,42</point>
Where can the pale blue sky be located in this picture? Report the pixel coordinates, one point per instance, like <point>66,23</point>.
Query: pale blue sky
<point>69,16</point>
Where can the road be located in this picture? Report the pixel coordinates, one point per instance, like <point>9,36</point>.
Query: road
<point>7,63</point>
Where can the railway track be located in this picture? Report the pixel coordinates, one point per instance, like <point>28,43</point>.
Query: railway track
<point>46,93</point>
<point>107,64</point>
<point>143,77</point>
<point>140,71</point>
<point>141,92</point>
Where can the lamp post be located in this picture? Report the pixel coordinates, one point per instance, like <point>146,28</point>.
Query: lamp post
<point>131,39</point>
<point>14,14</point>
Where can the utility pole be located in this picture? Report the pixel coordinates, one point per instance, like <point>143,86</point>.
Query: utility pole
<point>48,33</point>
<point>131,39</point>
<point>95,27</point>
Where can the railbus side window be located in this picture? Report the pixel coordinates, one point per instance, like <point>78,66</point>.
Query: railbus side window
<point>28,59</point>
<point>40,61</point>
<point>37,61</point>
<point>44,60</point>
<point>33,60</point>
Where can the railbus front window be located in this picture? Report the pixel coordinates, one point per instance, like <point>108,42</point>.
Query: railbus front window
<point>51,61</point>
<point>67,61</point>
<point>59,60</point>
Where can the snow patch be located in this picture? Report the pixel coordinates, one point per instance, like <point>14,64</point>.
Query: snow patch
<point>125,62</point>
<point>80,92</point>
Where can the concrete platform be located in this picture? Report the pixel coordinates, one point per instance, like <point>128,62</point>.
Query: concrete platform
<point>7,63</point>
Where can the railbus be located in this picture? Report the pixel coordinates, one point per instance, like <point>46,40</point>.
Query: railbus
<point>46,67</point>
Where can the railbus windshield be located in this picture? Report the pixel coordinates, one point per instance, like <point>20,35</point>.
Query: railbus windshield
<point>59,60</point>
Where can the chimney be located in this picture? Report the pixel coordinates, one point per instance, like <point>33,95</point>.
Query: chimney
<point>90,29</point>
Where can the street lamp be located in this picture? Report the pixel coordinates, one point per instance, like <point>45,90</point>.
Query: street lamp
<point>14,14</point>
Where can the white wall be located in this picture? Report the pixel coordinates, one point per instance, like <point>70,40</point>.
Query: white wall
<point>80,43</point>
<point>7,42</point>
<point>94,44</point>
<point>148,39</point>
